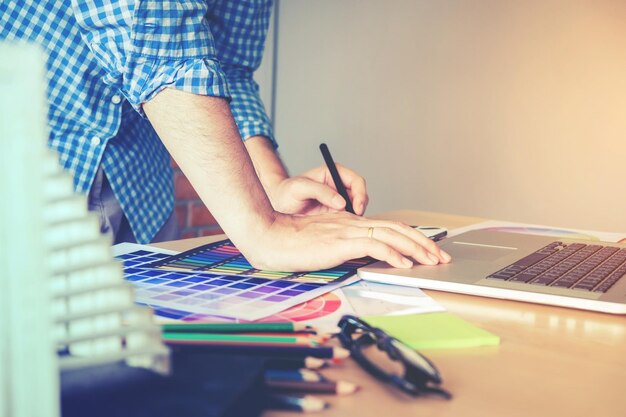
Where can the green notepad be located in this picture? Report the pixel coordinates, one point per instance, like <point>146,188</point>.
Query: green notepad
<point>434,331</point>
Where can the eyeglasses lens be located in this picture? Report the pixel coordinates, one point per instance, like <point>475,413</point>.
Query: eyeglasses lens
<point>379,358</point>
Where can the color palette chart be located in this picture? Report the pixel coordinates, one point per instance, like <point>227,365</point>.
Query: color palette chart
<point>323,312</point>
<point>189,295</point>
<point>224,258</point>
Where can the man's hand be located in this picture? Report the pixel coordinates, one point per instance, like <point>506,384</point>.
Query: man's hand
<point>305,243</point>
<point>314,192</point>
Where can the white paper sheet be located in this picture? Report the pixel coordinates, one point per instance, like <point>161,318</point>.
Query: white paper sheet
<point>376,299</point>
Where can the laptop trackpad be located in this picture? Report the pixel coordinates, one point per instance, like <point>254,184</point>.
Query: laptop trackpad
<point>477,251</point>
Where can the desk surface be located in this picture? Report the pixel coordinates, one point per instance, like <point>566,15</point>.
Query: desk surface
<point>551,361</point>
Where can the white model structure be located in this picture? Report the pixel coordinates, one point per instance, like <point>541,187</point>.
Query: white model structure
<point>64,303</point>
<point>96,320</point>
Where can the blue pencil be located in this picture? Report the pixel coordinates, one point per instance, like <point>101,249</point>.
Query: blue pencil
<point>293,375</point>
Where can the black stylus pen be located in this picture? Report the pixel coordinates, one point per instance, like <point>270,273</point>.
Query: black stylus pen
<point>341,189</point>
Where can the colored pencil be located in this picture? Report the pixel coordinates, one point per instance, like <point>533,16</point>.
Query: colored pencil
<point>307,403</point>
<point>330,387</point>
<point>312,337</point>
<point>297,363</point>
<point>201,344</point>
<point>341,189</point>
<point>333,353</point>
<point>238,328</point>
<point>321,338</point>
<point>236,338</point>
<point>294,375</point>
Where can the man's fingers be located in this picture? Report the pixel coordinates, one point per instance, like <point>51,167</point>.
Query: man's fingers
<point>361,247</point>
<point>307,189</point>
<point>404,245</point>
<point>418,237</point>
<point>354,183</point>
<point>398,241</point>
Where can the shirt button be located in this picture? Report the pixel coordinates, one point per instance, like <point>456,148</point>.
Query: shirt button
<point>116,99</point>
<point>95,141</point>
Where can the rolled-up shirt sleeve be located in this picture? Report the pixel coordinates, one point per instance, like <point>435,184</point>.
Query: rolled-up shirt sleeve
<point>145,46</point>
<point>240,29</point>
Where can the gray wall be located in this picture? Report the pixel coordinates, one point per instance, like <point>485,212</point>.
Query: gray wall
<point>513,110</point>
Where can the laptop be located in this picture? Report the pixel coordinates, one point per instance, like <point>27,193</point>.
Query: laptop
<point>581,274</point>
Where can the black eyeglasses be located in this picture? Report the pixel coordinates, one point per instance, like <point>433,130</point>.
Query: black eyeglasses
<point>388,359</point>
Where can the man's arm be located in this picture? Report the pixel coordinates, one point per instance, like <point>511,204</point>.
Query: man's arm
<point>201,135</point>
<point>267,164</point>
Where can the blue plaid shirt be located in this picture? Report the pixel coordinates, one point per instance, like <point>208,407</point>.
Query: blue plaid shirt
<point>106,58</point>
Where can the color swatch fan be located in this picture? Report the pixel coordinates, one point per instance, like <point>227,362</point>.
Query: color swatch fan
<point>63,299</point>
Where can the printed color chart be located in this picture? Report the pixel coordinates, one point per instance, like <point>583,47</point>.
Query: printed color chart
<point>323,311</point>
<point>224,258</point>
<point>189,295</point>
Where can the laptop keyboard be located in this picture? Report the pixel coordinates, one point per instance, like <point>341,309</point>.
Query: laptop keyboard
<point>578,266</point>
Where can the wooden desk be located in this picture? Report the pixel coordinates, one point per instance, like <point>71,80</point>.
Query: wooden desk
<point>551,361</point>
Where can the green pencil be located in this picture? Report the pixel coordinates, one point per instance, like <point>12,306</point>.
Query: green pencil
<point>237,338</point>
<point>237,328</point>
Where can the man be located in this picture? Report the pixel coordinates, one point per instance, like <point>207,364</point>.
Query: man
<point>129,79</point>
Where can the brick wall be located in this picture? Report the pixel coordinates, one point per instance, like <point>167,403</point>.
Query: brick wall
<point>194,219</point>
